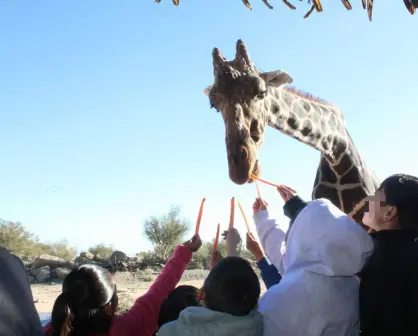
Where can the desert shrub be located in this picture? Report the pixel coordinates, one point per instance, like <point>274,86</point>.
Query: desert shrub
<point>19,241</point>
<point>166,231</point>
<point>104,251</point>
<point>61,249</point>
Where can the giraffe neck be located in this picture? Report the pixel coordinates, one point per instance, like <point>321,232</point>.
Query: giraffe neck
<point>316,124</point>
<point>341,176</point>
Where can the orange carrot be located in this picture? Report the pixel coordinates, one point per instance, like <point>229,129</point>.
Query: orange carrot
<point>258,189</point>
<point>216,242</point>
<point>199,216</point>
<point>264,181</point>
<point>232,213</point>
<point>245,217</point>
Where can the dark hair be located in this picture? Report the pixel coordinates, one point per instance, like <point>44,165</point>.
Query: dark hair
<point>401,191</point>
<point>232,287</point>
<point>179,299</point>
<point>81,307</point>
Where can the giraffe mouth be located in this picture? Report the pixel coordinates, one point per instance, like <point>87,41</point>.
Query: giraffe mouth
<point>255,172</point>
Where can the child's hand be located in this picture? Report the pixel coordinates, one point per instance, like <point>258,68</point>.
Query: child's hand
<point>254,247</point>
<point>193,244</point>
<point>233,239</point>
<point>215,258</point>
<point>259,205</point>
<point>286,192</point>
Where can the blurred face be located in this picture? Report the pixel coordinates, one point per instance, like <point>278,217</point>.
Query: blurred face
<point>379,215</point>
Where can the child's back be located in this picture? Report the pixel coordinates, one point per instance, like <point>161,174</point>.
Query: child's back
<point>318,294</point>
<point>231,293</point>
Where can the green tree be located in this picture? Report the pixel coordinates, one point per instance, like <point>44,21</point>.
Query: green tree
<point>19,241</point>
<point>104,251</point>
<point>166,231</point>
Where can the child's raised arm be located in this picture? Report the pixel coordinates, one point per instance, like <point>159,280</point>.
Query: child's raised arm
<point>269,272</point>
<point>271,236</point>
<point>142,318</point>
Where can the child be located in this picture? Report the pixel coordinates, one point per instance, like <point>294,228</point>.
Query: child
<point>230,294</point>
<point>318,292</point>
<point>88,301</point>
<point>178,300</point>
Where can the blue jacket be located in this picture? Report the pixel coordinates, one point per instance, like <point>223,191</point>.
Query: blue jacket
<point>269,273</point>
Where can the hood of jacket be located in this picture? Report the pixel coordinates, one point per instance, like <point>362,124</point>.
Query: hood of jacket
<point>203,321</point>
<point>324,240</point>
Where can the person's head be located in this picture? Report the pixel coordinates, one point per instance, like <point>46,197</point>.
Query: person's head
<point>394,205</point>
<point>232,287</point>
<point>87,303</point>
<point>179,299</point>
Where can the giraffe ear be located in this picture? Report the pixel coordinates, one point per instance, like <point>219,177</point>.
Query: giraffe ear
<point>207,90</point>
<point>277,78</point>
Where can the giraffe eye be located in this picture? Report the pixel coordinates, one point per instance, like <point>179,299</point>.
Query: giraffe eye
<point>261,95</point>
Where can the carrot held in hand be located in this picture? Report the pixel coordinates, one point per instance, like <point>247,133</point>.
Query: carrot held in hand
<point>199,216</point>
<point>258,189</point>
<point>232,213</point>
<point>216,242</point>
<point>264,181</point>
<point>245,217</point>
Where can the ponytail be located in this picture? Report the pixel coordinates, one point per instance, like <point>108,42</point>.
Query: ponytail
<point>61,319</point>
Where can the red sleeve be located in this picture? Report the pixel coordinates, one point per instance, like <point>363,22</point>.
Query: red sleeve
<point>47,329</point>
<point>142,318</point>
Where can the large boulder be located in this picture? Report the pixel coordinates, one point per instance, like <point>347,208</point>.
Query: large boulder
<point>43,274</point>
<point>87,256</point>
<point>60,273</point>
<point>49,260</point>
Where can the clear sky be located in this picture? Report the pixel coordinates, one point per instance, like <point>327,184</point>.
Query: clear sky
<point>101,102</point>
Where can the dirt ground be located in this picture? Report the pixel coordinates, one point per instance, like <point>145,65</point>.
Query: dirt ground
<point>44,295</point>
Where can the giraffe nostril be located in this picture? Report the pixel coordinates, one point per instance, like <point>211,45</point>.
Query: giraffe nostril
<point>243,154</point>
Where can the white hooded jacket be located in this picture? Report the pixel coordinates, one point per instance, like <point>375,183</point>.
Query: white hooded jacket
<point>318,293</point>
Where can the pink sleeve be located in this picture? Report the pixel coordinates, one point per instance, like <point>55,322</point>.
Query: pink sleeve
<point>142,318</point>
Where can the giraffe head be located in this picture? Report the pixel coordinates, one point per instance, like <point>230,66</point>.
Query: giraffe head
<point>241,93</point>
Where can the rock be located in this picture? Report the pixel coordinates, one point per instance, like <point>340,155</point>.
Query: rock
<point>117,257</point>
<point>98,258</point>
<point>35,271</point>
<point>43,274</point>
<point>87,255</point>
<point>61,272</point>
<point>48,260</point>
<point>31,279</point>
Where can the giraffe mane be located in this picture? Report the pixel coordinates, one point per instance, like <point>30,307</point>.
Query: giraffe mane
<point>305,95</point>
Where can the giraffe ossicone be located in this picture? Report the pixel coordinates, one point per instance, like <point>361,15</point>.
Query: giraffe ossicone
<point>250,100</point>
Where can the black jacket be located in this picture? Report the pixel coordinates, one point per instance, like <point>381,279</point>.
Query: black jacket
<point>292,208</point>
<point>18,316</point>
<point>389,285</point>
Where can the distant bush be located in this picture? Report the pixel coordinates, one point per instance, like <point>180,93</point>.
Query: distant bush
<point>166,231</point>
<point>19,241</point>
<point>104,251</point>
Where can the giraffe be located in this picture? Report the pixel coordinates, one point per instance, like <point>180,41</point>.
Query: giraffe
<point>250,100</point>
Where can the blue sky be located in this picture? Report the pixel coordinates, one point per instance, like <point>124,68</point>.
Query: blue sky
<point>102,103</point>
